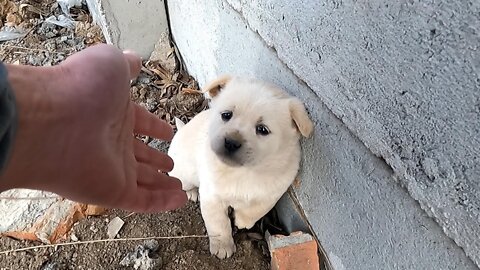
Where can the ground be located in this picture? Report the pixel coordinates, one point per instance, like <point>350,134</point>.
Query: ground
<point>190,253</point>
<point>166,94</point>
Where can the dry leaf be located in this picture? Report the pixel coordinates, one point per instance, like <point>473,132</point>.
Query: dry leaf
<point>191,91</point>
<point>13,19</point>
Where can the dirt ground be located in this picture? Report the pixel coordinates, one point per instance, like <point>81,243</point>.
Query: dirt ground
<point>172,254</point>
<point>163,93</point>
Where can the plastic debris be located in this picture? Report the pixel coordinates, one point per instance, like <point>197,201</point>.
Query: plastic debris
<point>10,33</point>
<point>66,5</point>
<point>62,21</point>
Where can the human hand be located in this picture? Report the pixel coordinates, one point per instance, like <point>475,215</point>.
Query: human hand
<point>75,134</point>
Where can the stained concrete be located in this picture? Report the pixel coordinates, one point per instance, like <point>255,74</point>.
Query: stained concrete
<point>371,89</point>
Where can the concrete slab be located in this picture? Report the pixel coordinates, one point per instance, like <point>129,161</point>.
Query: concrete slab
<point>40,216</point>
<point>135,25</point>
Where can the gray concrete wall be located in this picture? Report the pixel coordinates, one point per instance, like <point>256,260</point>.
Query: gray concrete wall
<point>133,24</point>
<point>391,174</point>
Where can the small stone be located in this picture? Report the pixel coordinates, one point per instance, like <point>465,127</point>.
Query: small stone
<point>114,227</point>
<point>152,245</point>
<point>93,229</point>
<point>50,266</point>
<point>74,238</point>
<point>140,258</point>
<point>164,54</point>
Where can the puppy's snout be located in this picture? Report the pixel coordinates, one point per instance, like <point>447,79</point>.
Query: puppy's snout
<point>232,145</point>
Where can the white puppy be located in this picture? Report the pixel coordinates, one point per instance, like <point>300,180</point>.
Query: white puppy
<point>243,152</point>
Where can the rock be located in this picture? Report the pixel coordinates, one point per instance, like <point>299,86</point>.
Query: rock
<point>164,54</point>
<point>37,215</point>
<point>159,145</point>
<point>74,238</point>
<point>94,210</point>
<point>140,258</point>
<point>50,266</point>
<point>114,226</point>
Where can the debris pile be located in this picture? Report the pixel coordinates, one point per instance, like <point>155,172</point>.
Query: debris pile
<point>40,33</point>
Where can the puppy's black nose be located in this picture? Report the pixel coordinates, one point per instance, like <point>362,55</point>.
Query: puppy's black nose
<point>232,145</point>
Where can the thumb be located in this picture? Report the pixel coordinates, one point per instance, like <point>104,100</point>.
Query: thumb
<point>134,62</point>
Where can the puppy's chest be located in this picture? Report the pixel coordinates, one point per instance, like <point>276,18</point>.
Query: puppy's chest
<point>240,187</point>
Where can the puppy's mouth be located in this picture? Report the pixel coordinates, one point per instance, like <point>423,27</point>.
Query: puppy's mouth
<point>229,159</point>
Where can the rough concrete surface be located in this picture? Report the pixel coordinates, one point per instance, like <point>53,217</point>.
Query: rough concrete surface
<point>135,24</point>
<point>362,217</point>
<point>18,215</point>
<point>405,78</point>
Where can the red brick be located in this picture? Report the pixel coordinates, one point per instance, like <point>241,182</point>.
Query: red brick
<point>295,256</point>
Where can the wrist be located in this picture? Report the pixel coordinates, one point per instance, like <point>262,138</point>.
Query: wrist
<point>36,107</point>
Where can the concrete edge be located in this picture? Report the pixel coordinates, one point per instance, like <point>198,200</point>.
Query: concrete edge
<point>98,14</point>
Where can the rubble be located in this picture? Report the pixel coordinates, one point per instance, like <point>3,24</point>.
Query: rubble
<point>37,215</point>
<point>114,226</point>
<point>141,259</point>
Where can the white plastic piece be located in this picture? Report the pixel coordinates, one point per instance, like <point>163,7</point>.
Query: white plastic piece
<point>66,5</point>
<point>62,21</point>
<point>10,33</point>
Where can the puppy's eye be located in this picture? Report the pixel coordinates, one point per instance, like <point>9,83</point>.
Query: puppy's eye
<point>262,130</point>
<point>227,115</point>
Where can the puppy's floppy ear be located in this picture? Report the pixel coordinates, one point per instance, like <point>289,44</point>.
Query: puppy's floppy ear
<point>300,117</point>
<point>214,87</point>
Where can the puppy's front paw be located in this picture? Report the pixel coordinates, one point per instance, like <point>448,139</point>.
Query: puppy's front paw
<point>192,194</point>
<point>243,222</point>
<point>222,247</point>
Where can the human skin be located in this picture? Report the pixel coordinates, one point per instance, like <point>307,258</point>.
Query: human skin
<point>75,136</point>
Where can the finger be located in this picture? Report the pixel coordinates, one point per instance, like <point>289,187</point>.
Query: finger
<point>148,124</point>
<point>148,200</point>
<point>134,62</point>
<point>148,176</point>
<point>146,154</point>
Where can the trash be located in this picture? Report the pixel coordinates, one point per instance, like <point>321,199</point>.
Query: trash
<point>66,5</point>
<point>141,258</point>
<point>114,227</point>
<point>10,33</point>
<point>62,21</point>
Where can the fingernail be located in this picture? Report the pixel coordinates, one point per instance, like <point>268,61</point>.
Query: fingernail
<point>131,52</point>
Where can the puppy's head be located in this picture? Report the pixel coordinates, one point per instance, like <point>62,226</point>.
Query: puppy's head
<point>252,121</point>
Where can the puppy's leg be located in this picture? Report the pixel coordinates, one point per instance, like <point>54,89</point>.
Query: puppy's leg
<point>189,180</point>
<point>246,216</point>
<point>215,216</point>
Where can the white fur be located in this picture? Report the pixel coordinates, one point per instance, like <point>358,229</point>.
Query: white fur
<point>269,167</point>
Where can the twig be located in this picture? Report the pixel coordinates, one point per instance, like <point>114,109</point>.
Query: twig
<point>129,215</point>
<point>30,49</point>
<point>6,252</point>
